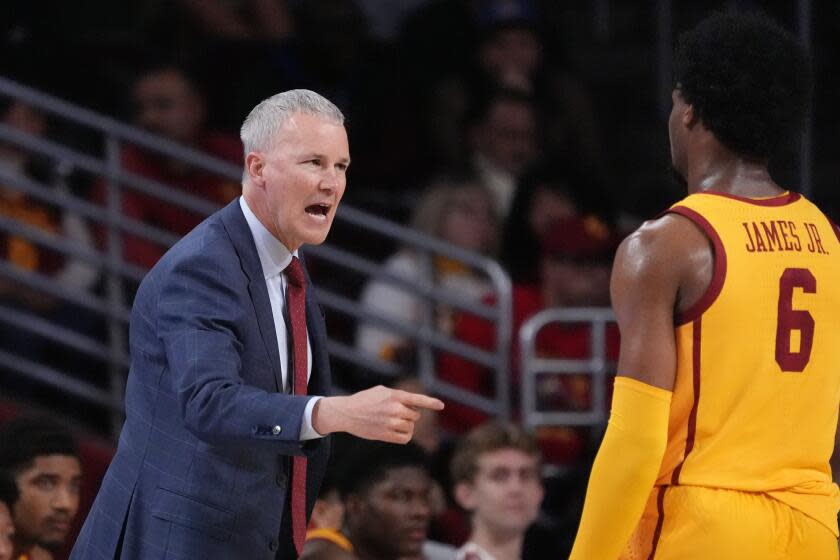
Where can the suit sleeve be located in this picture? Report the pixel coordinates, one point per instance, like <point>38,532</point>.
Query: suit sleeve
<point>200,313</point>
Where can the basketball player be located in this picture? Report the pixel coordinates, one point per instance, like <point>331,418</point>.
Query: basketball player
<point>727,397</point>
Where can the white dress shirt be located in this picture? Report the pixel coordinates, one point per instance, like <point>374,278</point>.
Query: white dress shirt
<point>274,258</point>
<point>471,551</point>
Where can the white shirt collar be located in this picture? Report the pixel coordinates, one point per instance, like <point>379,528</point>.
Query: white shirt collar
<point>274,256</point>
<point>471,551</point>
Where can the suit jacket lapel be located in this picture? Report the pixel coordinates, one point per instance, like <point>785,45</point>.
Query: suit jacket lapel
<point>240,234</point>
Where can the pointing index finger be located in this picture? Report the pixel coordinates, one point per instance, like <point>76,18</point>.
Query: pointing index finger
<point>416,400</point>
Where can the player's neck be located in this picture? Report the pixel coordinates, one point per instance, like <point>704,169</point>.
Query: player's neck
<point>723,171</point>
<point>500,544</point>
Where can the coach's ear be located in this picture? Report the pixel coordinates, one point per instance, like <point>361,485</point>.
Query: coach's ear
<point>255,165</point>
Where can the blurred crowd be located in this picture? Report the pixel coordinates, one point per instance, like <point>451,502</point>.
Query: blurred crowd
<point>521,130</point>
<point>386,501</point>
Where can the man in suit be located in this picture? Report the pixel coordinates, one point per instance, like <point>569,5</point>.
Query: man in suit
<point>222,454</point>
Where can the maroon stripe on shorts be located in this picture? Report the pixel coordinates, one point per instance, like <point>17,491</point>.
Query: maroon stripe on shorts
<point>660,520</point>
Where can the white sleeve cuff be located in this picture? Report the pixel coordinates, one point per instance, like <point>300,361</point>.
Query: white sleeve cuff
<point>307,432</point>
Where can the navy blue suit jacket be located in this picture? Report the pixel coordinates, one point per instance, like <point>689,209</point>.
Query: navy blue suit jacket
<point>201,470</point>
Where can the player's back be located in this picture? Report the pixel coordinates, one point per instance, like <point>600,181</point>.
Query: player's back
<point>757,388</point>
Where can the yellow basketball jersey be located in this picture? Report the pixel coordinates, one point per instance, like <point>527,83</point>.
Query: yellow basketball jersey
<point>757,388</point>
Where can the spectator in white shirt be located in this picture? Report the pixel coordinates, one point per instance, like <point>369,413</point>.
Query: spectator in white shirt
<point>496,477</point>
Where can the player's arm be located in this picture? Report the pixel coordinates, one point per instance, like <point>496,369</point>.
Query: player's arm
<point>650,267</point>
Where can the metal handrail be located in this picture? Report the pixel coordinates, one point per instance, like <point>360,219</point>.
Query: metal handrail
<point>596,366</point>
<point>54,289</point>
<point>116,268</point>
<point>115,128</point>
<point>59,244</point>
<point>422,333</point>
<point>86,209</point>
<point>500,314</point>
<point>67,337</point>
<point>60,380</point>
<point>97,167</point>
<point>350,354</point>
<point>413,237</point>
<point>381,272</point>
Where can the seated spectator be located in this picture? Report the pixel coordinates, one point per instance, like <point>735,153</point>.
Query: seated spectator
<point>386,490</point>
<point>496,477</point>
<point>324,538</point>
<point>43,459</point>
<point>23,253</point>
<point>255,20</point>
<point>503,140</point>
<point>574,272</point>
<point>168,102</point>
<point>429,437</point>
<point>8,497</point>
<point>460,213</point>
<point>549,191</point>
<point>510,52</point>
<point>71,273</point>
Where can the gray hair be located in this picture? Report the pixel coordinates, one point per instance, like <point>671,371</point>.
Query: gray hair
<point>262,123</point>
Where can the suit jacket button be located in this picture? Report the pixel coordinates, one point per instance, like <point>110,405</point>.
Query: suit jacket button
<point>280,479</point>
<point>272,546</point>
<point>276,430</point>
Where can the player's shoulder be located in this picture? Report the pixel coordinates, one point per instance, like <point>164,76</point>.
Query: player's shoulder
<point>662,241</point>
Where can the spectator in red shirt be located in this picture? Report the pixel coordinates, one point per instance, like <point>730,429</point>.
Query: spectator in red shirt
<point>574,272</point>
<point>168,102</point>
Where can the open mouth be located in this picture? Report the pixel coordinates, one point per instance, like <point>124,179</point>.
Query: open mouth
<point>319,211</point>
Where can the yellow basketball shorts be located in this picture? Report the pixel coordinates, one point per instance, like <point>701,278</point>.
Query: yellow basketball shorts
<point>696,523</point>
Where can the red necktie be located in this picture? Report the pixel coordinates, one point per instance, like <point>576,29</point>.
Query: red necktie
<point>296,302</point>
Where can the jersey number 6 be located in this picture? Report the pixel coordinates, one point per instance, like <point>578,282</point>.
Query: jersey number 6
<point>794,320</point>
